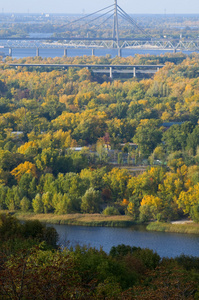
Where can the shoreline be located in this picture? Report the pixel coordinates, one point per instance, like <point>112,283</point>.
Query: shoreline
<point>99,220</point>
<point>187,227</point>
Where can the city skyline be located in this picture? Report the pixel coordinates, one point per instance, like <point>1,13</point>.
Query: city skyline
<point>88,6</point>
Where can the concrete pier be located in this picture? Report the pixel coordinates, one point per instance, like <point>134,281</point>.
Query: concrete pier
<point>65,52</point>
<point>10,51</point>
<point>93,51</point>
<point>134,72</point>
<point>111,72</point>
<point>119,52</point>
<point>37,51</point>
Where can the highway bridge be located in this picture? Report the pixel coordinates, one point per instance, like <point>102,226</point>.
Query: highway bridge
<point>101,68</point>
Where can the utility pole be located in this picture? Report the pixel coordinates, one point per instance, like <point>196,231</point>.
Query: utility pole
<point>115,26</point>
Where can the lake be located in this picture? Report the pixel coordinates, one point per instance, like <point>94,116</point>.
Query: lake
<point>165,244</point>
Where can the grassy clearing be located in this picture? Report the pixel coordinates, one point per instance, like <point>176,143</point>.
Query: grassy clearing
<point>177,228</point>
<point>79,219</point>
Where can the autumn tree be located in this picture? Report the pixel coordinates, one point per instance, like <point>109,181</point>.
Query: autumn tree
<point>26,167</point>
<point>116,180</point>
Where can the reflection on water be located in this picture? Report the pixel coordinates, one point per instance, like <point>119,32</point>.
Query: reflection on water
<point>165,244</point>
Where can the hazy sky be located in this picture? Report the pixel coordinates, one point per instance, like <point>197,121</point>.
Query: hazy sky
<point>88,6</point>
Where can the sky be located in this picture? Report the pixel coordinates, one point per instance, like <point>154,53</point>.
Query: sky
<point>89,6</point>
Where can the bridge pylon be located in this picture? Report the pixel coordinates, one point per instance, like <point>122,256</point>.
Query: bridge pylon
<point>115,25</point>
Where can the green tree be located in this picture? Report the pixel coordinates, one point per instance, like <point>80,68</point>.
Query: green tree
<point>194,213</point>
<point>91,201</point>
<point>3,192</point>
<point>13,198</point>
<point>176,136</point>
<point>193,140</point>
<point>47,202</point>
<point>27,185</point>
<point>25,204</point>
<point>37,204</point>
<point>94,177</point>
<point>148,136</point>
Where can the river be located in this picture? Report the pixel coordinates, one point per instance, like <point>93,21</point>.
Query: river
<point>165,244</point>
<point>71,52</point>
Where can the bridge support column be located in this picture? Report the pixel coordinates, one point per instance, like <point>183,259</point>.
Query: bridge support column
<point>10,51</point>
<point>111,72</point>
<point>65,52</point>
<point>174,50</point>
<point>158,69</point>
<point>119,52</point>
<point>37,51</point>
<point>134,72</point>
<point>93,51</point>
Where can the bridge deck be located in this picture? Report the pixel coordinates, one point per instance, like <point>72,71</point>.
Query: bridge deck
<point>86,66</point>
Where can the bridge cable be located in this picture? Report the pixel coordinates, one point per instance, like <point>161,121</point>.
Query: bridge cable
<point>89,15</point>
<point>125,18</point>
<point>144,33</point>
<point>105,20</point>
<point>99,17</point>
<point>131,21</point>
<point>94,19</point>
<point>123,13</point>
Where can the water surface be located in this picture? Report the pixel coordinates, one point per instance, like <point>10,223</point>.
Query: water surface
<point>165,244</point>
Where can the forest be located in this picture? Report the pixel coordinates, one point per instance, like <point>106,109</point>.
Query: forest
<point>70,140</point>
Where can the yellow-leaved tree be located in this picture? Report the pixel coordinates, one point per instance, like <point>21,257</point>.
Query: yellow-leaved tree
<point>189,199</point>
<point>151,200</point>
<point>116,180</point>
<point>26,167</point>
<point>151,208</point>
<point>29,148</point>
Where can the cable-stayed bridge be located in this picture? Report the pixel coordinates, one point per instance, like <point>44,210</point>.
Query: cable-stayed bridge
<point>95,36</point>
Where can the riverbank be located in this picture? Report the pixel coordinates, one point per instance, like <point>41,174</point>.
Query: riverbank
<point>176,227</point>
<point>98,220</point>
<point>79,219</point>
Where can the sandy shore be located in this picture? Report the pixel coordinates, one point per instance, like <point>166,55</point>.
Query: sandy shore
<point>182,222</point>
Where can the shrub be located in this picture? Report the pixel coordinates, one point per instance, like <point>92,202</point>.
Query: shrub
<point>111,211</point>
